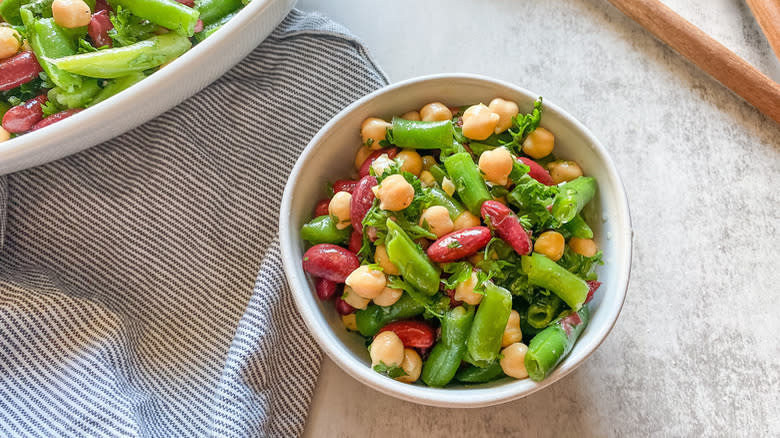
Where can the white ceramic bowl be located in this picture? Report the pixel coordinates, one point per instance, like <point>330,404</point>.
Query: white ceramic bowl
<point>329,156</point>
<point>149,98</point>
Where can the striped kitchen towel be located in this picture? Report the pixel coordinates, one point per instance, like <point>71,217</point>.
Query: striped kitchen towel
<point>127,305</point>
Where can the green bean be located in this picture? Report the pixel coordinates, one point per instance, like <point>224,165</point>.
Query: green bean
<point>169,14</point>
<point>374,317</point>
<point>446,355</point>
<point>468,181</point>
<point>472,374</point>
<point>322,229</point>
<point>551,345</point>
<point>484,342</point>
<point>415,267</point>
<point>572,198</point>
<point>421,135</point>
<point>543,310</point>
<point>77,98</point>
<point>212,11</point>
<point>116,86</point>
<point>48,41</point>
<point>440,197</point>
<point>209,29</point>
<point>121,61</point>
<point>543,272</point>
<point>438,173</point>
<point>577,227</point>
<point>10,11</point>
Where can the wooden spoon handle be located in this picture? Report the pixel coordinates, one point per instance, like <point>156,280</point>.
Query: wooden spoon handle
<point>767,13</point>
<point>710,55</point>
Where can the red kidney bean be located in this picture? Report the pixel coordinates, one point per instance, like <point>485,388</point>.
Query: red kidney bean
<point>325,288</point>
<point>453,302</point>
<point>391,153</point>
<point>593,286</point>
<point>362,200</point>
<point>413,334</point>
<point>321,209</point>
<point>343,307</point>
<point>499,217</point>
<point>355,241</point>
<point>190,3</point>
<point>537,172</point>
<point>198,26</point>
<point>345,185</point>
<point>54,118</point>
<point>18,69</point>
<point>98,28</point>
<point>22,117</point>
<point>331,262</point>
<point>459,244</point>
<point>102,5</point>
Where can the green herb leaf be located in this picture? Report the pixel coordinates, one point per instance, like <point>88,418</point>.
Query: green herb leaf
<point>390,371</point>
<point>128,28</point>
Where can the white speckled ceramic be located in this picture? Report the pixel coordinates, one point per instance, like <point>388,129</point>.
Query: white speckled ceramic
<point>329,156</point>
<point>159,92</point>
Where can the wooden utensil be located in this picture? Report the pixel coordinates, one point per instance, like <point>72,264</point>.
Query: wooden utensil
<point>767,13</point>
<point>704,51</point>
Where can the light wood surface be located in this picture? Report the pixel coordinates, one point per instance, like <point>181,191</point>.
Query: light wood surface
<point>707,53</point>
<point>767,13</point>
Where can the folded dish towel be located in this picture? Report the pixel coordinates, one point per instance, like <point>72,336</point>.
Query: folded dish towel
<point>127,305</point>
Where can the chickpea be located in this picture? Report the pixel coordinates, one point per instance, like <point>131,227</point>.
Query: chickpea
<point>512,332</point>
<point>381,164</point>
<point>435,112</point>
<point>562,171</point>
<point>373,130</point>
<point>381,258</point>
<point>10,42</point>
<point>26,45</point>
<point>350,322</point>
<point>367,282</point>
<point>513,360</point>
<point>506,110</point>
<point>448,186</point>
<point>551,244</point>
<point>437,220</point>
<point>479,122</point>
<point>361,155</point>
<point>388,349</point>
<point>427,179</point>
<point>71,13</point>
<point>464,291</point>
<point>412,366</point>
<point>410,161</point>
<point>466,220</point>
<point>339,207</point>
<point>539,143</point>
<point>395,193</point>
<point>496,165</point>
<point>428,161</point>
<point>353,299</point>
<point>388,297</point>
<point>585,247</point>
<point>4,135</point>
<point>412,115</point>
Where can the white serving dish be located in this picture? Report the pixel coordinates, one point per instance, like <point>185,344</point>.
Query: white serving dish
<point>329,156</point>
<point>152,96</point>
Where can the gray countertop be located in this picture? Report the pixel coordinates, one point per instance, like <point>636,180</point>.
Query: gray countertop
<point>696,350</point>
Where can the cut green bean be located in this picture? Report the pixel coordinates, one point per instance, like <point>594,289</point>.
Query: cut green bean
<point>10,11</point>
<point>547,349</point>
<point>484,342</point>
<point>472,374</point>
<point>213,27</point>
<point>543,272</point>
<point>322,229</point>
<point>446,355</point>
<point>468,181</point>
<point>440,197</point>
<point>374,317</point>
<point>542,311</point>
<point>116,86</point>
<point>49,41</point>
<point>421,135</point>
<point>77,98</point>
<point>212,11</point>
<point>577,227</point>
<point>438,173</point>
<point>121,61</point>
<point>572,198</point>
<point>169,14</point>
<point>415,267</point>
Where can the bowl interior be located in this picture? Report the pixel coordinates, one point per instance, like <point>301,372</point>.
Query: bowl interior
<point>330,155</point>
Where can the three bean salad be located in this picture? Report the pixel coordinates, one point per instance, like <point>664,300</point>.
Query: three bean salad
<point>58,57</point>
<point>459,252</point>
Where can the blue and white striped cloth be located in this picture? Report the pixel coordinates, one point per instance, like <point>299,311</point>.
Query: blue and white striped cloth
<point>127,305</point>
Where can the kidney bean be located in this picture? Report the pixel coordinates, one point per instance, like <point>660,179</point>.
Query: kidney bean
<point>102,5</point>
<point>331,262</point>
<point>507,226</point>
<point>22,117</point>
<point>345,185</point>
<point>391,153</point>
<point>362,200</point>
<point>198,26</point>
<point>54,118</point>
<point>413,334</point>
<point>18,69</point>
<point>453,302</point>
<point>321,209</point>
<point>190,3</point>
<point>98,28</point>
<point>537,172</point>
<point>459,244</point>
<point>325,288</point>
<point>593,286</point>
<point>355,241</point>
<point>343,307</point>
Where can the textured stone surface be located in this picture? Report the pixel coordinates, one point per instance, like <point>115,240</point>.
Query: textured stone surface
<point>696,350</point>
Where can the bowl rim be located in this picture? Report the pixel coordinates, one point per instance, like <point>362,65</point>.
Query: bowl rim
<point>450,397</point>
